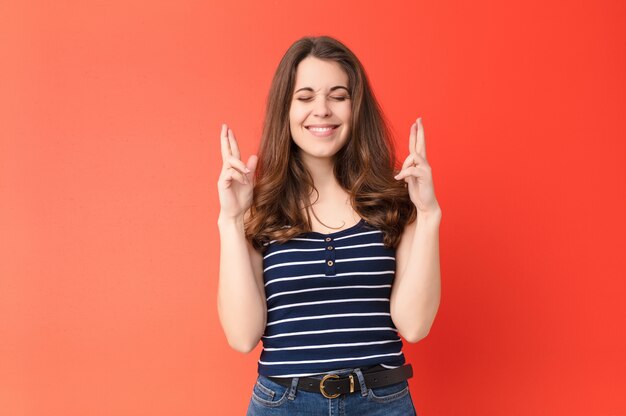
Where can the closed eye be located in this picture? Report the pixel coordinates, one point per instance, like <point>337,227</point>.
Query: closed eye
<point>336,98</point>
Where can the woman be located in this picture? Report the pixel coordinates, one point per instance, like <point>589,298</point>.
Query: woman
<point>326,256</point>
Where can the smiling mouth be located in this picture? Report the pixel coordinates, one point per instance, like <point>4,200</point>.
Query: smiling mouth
<point>321,129</point>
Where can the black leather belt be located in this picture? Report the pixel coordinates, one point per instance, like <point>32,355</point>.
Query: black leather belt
<point>331,385</point>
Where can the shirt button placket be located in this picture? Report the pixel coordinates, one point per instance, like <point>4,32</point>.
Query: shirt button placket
<point>330,256</point>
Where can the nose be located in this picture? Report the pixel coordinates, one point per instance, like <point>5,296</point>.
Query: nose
<point>321,109</point>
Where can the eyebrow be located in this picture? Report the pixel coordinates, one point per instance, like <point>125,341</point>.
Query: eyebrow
<point>332,89</point>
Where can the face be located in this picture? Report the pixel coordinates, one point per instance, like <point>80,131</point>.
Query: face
<point>320,112</point>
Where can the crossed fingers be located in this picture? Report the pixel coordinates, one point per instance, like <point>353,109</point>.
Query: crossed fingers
<point>417,152</point>
<point>233,167</point>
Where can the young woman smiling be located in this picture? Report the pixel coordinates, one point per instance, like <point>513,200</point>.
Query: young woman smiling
<point>328,254</point>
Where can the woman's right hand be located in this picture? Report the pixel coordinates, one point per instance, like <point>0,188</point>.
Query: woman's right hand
<point>235,182</point>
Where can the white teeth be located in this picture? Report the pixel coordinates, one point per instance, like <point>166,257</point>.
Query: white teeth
<point>321,129</point>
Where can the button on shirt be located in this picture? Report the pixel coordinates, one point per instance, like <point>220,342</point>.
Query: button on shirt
<point>328,303</point>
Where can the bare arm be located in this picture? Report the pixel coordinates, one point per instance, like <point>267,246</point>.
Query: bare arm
<point>416,289</point>
<point>240,294</point>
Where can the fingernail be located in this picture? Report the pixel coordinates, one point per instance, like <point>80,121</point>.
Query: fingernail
<point>247,170</point>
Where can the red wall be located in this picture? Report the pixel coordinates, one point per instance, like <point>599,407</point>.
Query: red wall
<point>109,157</point>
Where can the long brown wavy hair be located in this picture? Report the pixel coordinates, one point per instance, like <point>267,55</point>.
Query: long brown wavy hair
<point>364,167</point>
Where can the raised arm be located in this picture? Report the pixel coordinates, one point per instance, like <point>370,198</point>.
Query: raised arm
<point>240,294</point>
<point>416,291</point>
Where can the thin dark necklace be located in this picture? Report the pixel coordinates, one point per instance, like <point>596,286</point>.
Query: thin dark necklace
<point>327,226</point>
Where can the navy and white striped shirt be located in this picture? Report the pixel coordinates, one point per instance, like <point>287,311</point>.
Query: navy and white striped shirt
<point>328,303</point>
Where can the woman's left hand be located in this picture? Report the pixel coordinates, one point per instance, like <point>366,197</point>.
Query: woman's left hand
<point>417,174</point>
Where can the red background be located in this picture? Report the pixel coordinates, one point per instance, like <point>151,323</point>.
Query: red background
<point>109,157</point>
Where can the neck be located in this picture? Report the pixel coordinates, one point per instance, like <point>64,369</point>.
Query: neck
<point>331,195</point>
<point>321,170</point>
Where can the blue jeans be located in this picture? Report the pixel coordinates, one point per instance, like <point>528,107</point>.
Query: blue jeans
<point>273,399</point>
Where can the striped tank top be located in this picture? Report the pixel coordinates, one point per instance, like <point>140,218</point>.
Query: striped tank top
<point>328,303</point>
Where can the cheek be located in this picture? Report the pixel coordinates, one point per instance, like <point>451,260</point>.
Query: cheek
<point>347,118</point>
<point>349,111</point>
<point>295,117</point>
<point>295,125</point>
<point>344,111</point>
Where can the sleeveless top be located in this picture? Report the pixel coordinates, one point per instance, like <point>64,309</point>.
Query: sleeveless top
<point>328,303</point>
